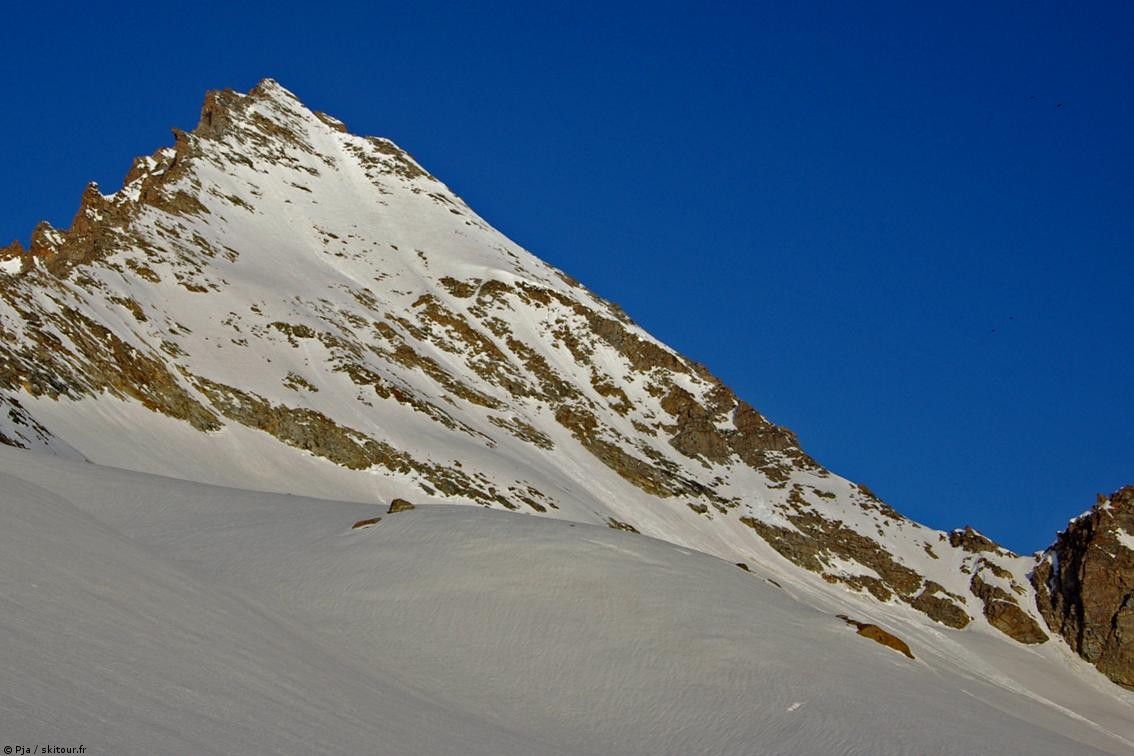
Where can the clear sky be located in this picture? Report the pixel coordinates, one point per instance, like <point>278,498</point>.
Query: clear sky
<point>905,231</point>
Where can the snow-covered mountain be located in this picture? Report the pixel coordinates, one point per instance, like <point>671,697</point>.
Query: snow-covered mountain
<point>278,305</point>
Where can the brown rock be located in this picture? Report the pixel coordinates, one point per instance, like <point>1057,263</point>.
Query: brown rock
<point>878,635</point>
<point>399,505</point>
<point>972,541</point>
<point>659,481</point>
<point>1003,613</point>
<point>331,121</point>
<point>619,525</point>
<point>12,251</point>
<point>697,434</point>
<point>215,113</point>
<point>365,523</point>
<point>1085,586</point>
<point>815,536</point>
<point>939,608</point>
<point>1010,619</point>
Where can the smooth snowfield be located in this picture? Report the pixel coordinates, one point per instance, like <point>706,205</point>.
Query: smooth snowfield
<point>146,615</point>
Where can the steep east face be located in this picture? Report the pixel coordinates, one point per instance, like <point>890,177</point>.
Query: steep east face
<point>275,303</point>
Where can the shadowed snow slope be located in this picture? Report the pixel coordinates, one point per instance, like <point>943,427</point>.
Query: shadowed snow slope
<point>142,615</point>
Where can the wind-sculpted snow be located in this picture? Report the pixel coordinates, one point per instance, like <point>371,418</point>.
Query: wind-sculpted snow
<point>147,615</point>
<point>277,304</point>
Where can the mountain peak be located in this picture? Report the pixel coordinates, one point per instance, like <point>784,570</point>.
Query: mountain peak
<point>276,103</point>
<point>266,128</point>
<point>269,87</point>
<point>275,303</point>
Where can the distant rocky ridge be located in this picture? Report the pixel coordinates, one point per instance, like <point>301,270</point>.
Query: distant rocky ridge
<point>334,318</point>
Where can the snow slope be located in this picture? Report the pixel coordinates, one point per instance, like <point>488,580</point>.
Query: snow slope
<point>142,614</point>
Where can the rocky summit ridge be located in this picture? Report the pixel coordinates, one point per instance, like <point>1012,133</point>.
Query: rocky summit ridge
<point>276,303</point>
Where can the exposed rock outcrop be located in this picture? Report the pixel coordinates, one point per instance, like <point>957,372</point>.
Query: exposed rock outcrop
<point>1085,585</point>
<point>973,542</point>
<point>878,635</point>
<point>362,524</point>
<point>994,584</point>
<point>942,606</point>
<point>619,525</point>
<point>14,251</point>
<point>399,505</point>
<point>814,540</point>
<point>1004,613</point>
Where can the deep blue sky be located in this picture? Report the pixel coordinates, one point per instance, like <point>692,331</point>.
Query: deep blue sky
<point>907,233</point>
